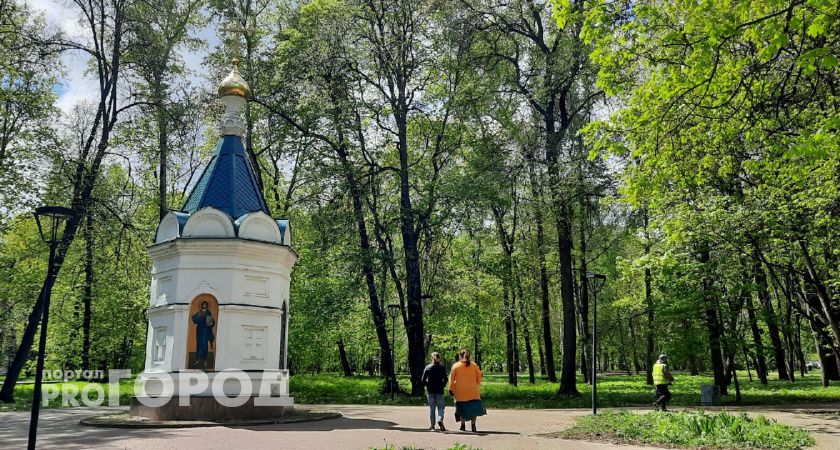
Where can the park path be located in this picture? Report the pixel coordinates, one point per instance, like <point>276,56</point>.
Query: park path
<point>362,427</point>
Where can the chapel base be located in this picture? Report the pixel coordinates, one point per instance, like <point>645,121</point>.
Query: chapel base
<point>210,409</point>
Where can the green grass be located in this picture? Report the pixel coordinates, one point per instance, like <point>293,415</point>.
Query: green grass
<point>688,430</point>
<point>457,446</point>
<point>23,394</point>
<point>613,391</point>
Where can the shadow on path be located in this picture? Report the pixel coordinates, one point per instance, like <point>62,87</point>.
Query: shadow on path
<point>341,423</point>
<point>59,428</point>
<point>455,431</point>
<point>349,423</point>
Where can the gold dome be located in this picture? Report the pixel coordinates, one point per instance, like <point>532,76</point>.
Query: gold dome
<point>234,84</point>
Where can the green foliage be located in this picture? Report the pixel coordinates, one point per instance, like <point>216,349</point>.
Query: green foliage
<point>720,134</point>
<point>705,89</point>
<point>28,92</point>
<point>613,391</point>
<point>689,430</point>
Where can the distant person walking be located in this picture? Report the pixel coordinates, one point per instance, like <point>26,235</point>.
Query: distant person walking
<point>434,378</point>
<point>464,385</point>
<point>661,379</point>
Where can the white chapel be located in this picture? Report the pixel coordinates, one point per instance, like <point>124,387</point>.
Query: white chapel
<point>221,271</point>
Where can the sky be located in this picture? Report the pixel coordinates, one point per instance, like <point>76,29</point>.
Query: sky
<point>75,85</point>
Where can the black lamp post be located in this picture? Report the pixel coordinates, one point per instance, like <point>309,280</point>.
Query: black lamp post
<point>596,286</point>
<point>393,312</point>
<point>51,221</point>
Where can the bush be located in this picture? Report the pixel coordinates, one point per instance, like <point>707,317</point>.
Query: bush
<point>689,430</point>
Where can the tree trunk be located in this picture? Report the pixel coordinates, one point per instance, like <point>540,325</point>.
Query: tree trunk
<point>636,364</point>
<point>345,363</point>
<point>747,363</point>
<point>537,193</point>
<point>563,223</point>
<point>787,332</point>
<point>427,343</point>
<point>730,340</point>
<point>7,340</point>
<point>374,304</point>
<point>414,330</point>
<point>735,379</point>
<point>813,312</point>
<point>622,350</point>
<point>827,356</point>
<point>526,332</point>
<point>22,354</point>
<point>761,367</point>
<point>87,296</point>
<point>800,356</point>
<point>517,362</point>
<point>583,365</point>
<point>542,357</point>
<point>828,362</point>
<point>713,324</point>
<point>529,351</point>
<point>822,294</point>
<point>163,155</point>
<point>649,304</point>
<point>477,347</point>
<point>692,364</point>
<point>506,241</point>
<point>509,350</point>
<point>769,317</point>
<point>584,302</point>
<point>568,382</point>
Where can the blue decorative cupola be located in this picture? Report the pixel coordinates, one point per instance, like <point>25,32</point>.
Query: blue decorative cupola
<point>229,183</point>
<point>228,187</point>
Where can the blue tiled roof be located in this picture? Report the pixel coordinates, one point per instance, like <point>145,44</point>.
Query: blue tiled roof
<point>229,183</point>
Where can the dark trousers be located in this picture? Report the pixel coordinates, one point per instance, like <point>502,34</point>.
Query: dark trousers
<point>663,395</point>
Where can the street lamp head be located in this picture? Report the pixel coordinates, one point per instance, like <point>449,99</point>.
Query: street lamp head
<point>51,221</point>
<point>597,279</point>
<point>393,310</point>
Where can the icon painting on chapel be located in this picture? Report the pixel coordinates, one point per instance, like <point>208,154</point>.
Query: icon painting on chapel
<point>201,342</point>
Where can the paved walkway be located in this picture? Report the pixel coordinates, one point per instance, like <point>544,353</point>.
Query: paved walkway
<point>361,427</point>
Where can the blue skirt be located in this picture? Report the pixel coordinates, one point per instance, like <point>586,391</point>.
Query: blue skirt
<point>470,409</point>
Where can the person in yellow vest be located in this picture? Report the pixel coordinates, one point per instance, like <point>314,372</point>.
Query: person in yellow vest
<point>661,379</point>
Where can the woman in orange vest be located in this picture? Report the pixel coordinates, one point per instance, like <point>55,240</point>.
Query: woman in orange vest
<point>464,383</point>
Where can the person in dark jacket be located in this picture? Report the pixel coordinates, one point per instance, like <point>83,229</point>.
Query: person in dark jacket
<point>434,378</point>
